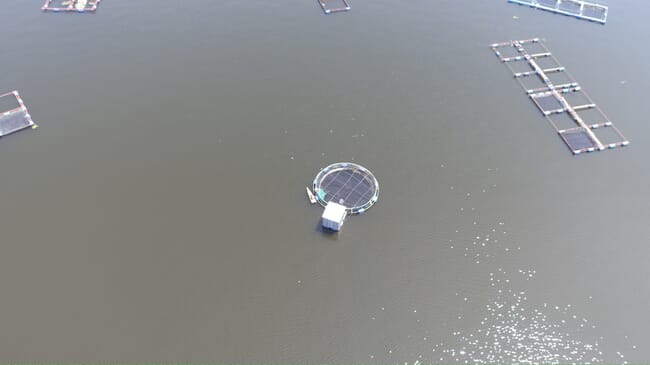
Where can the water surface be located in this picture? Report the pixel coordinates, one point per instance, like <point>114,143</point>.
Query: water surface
<point>159,214</point>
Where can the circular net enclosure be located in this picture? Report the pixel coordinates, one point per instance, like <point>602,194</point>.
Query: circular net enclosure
<point>348,184</point>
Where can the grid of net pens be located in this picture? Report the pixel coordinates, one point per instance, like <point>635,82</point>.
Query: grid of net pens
<point>567,107</point>
<point>348,184</point>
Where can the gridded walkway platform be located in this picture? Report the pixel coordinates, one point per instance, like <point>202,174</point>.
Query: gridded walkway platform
<point>78,6</point>
<point>13,114</point>
<point>575,8</point>
<point>568,108</point>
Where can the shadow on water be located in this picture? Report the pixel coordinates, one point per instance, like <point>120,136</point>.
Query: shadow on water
<point>326,232</point>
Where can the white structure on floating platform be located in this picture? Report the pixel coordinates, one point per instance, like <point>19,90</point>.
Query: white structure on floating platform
<point>334,216</point>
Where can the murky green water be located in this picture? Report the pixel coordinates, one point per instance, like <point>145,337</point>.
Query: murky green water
<point>159,214</point>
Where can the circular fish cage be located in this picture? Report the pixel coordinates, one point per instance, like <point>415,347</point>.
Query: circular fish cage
<point>347,184</point>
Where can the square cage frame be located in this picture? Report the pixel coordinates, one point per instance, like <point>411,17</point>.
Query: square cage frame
<point>20,109</point>
<point>89,7</point>
<point>578,139</point>
<point>550,98</point>
<point>323,5</point>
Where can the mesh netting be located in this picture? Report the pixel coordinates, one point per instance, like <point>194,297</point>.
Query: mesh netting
<point>547,103</point>
<point>348,184</point>
<point>597,12</point>
<point>547,2</point>
<point>578,139</point>
<point>570,6</point>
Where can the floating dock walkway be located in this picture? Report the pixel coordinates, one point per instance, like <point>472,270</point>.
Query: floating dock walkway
<point>570,120</point>
<point>575,8</point>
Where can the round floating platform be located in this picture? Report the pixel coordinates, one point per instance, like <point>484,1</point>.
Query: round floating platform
<point>347,184</point>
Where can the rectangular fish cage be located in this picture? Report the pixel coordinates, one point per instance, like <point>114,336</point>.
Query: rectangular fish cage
<point>576,118</point>
<point>576,8</point>
<point>334,6</point>
<point>13,114</point>
<point>79,6</point>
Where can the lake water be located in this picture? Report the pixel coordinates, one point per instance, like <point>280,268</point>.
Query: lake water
<point>159,212</point>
